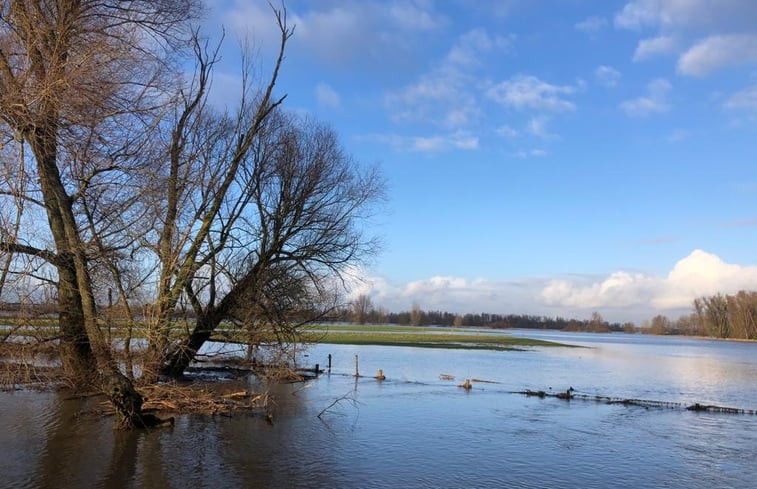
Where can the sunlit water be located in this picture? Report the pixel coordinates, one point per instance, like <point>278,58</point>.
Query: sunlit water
<point>416,430</point>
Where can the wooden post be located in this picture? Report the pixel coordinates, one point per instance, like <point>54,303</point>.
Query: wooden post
<point>329,362</point>
<point>357,374</point>
<point>317,369</point>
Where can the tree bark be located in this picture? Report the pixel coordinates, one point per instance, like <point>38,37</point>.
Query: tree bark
<point>78,360</point>
<point>80,310</point>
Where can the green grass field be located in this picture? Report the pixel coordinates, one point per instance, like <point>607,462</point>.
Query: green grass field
<point>420,337</point>
<point>387,335</point>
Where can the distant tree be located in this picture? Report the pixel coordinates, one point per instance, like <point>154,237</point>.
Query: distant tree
<point>361,308</point>
<point>458,321</point>
<point>660,325</point>
<point>713,315</point>
<point>742,315</point>
<point>597,324</point>
<point>687,324</point>
<point>629,327</point>
<point>416,315</point>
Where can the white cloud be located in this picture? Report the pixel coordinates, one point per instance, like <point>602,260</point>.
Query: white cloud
<point>744,99</point>
<point>443,97</point>
<point>449,293</point>
<point>471,45</point>
<point>655,101</point>
<point>621,289</point>
<point>687,14</point>
<point>592,25</point>
<point>416,15</point>
<point>715,52</point>
<point>712,33</point>
<point>459,140</point>
<point>530,153</point>
<point>537,126</point>
<point>327,96</point>
<point>449,94</point>
<point>700,274</point>
<point>620,296</point>
<point>607,75</point>
<point>657,45</point>
<point>528,92</point>
<point>694,276</point>
<point>340,33</point>
<point>638,14</point>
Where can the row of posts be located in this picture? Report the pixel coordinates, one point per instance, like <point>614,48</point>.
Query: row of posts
<point>380,375</point>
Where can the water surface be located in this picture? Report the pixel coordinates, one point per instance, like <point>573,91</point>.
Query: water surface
<point>416,430</point>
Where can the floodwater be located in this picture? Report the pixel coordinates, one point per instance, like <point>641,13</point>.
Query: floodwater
<point>416,430</point>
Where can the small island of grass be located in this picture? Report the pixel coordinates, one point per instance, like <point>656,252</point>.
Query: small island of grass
<point>422,337</point>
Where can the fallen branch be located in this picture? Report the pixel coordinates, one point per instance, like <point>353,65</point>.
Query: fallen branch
<point>347,397</point>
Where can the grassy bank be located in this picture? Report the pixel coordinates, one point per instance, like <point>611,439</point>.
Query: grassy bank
<point>387,335</point>
<point>422,337</point>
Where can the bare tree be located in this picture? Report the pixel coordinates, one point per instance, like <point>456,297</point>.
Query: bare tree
<point>296,226</point>
<point>360,308</point>
<point>713,315</point>
<point>78,79</point>
<point>249,217</point>
<point>416,315</point>
<point>660,325</point>
<point>597,323</point>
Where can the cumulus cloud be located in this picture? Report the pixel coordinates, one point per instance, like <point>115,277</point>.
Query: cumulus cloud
<point>529,92</point>
<point>638,14</point>
<point>655,101</point>
<point>687,14</point>
<point>443,97</point>
<point>715,52</point>
<point>620,296</point>
<point>657,45</point>
<point>696,275</point>
<point>470,46</point>
<point>711,33</point>
<point>607,75</point>
<point>448,95</point>
<point>621,289</point>
<point>341,33</point>
<point>449,293</point>
<point>327,96</point>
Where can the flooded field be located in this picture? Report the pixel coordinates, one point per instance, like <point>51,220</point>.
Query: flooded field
<point>415,429</point>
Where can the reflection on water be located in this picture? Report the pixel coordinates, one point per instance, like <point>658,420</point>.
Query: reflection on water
<point>415,430</point>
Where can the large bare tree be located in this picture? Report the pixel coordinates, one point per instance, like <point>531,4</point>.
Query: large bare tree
<point>249,216</point>
<point>77,79</point>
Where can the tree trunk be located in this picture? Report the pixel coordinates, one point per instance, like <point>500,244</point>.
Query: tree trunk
<point>182,355</point>
<point>79,310</point>
<point>78,360</point>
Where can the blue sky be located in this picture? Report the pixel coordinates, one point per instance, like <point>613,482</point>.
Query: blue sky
<point>544,157</point>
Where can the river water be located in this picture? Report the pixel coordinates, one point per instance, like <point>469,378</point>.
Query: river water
<point>416,430</point>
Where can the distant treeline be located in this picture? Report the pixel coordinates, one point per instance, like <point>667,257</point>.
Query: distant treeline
<point>363,312</point>
<point>717,316</point>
